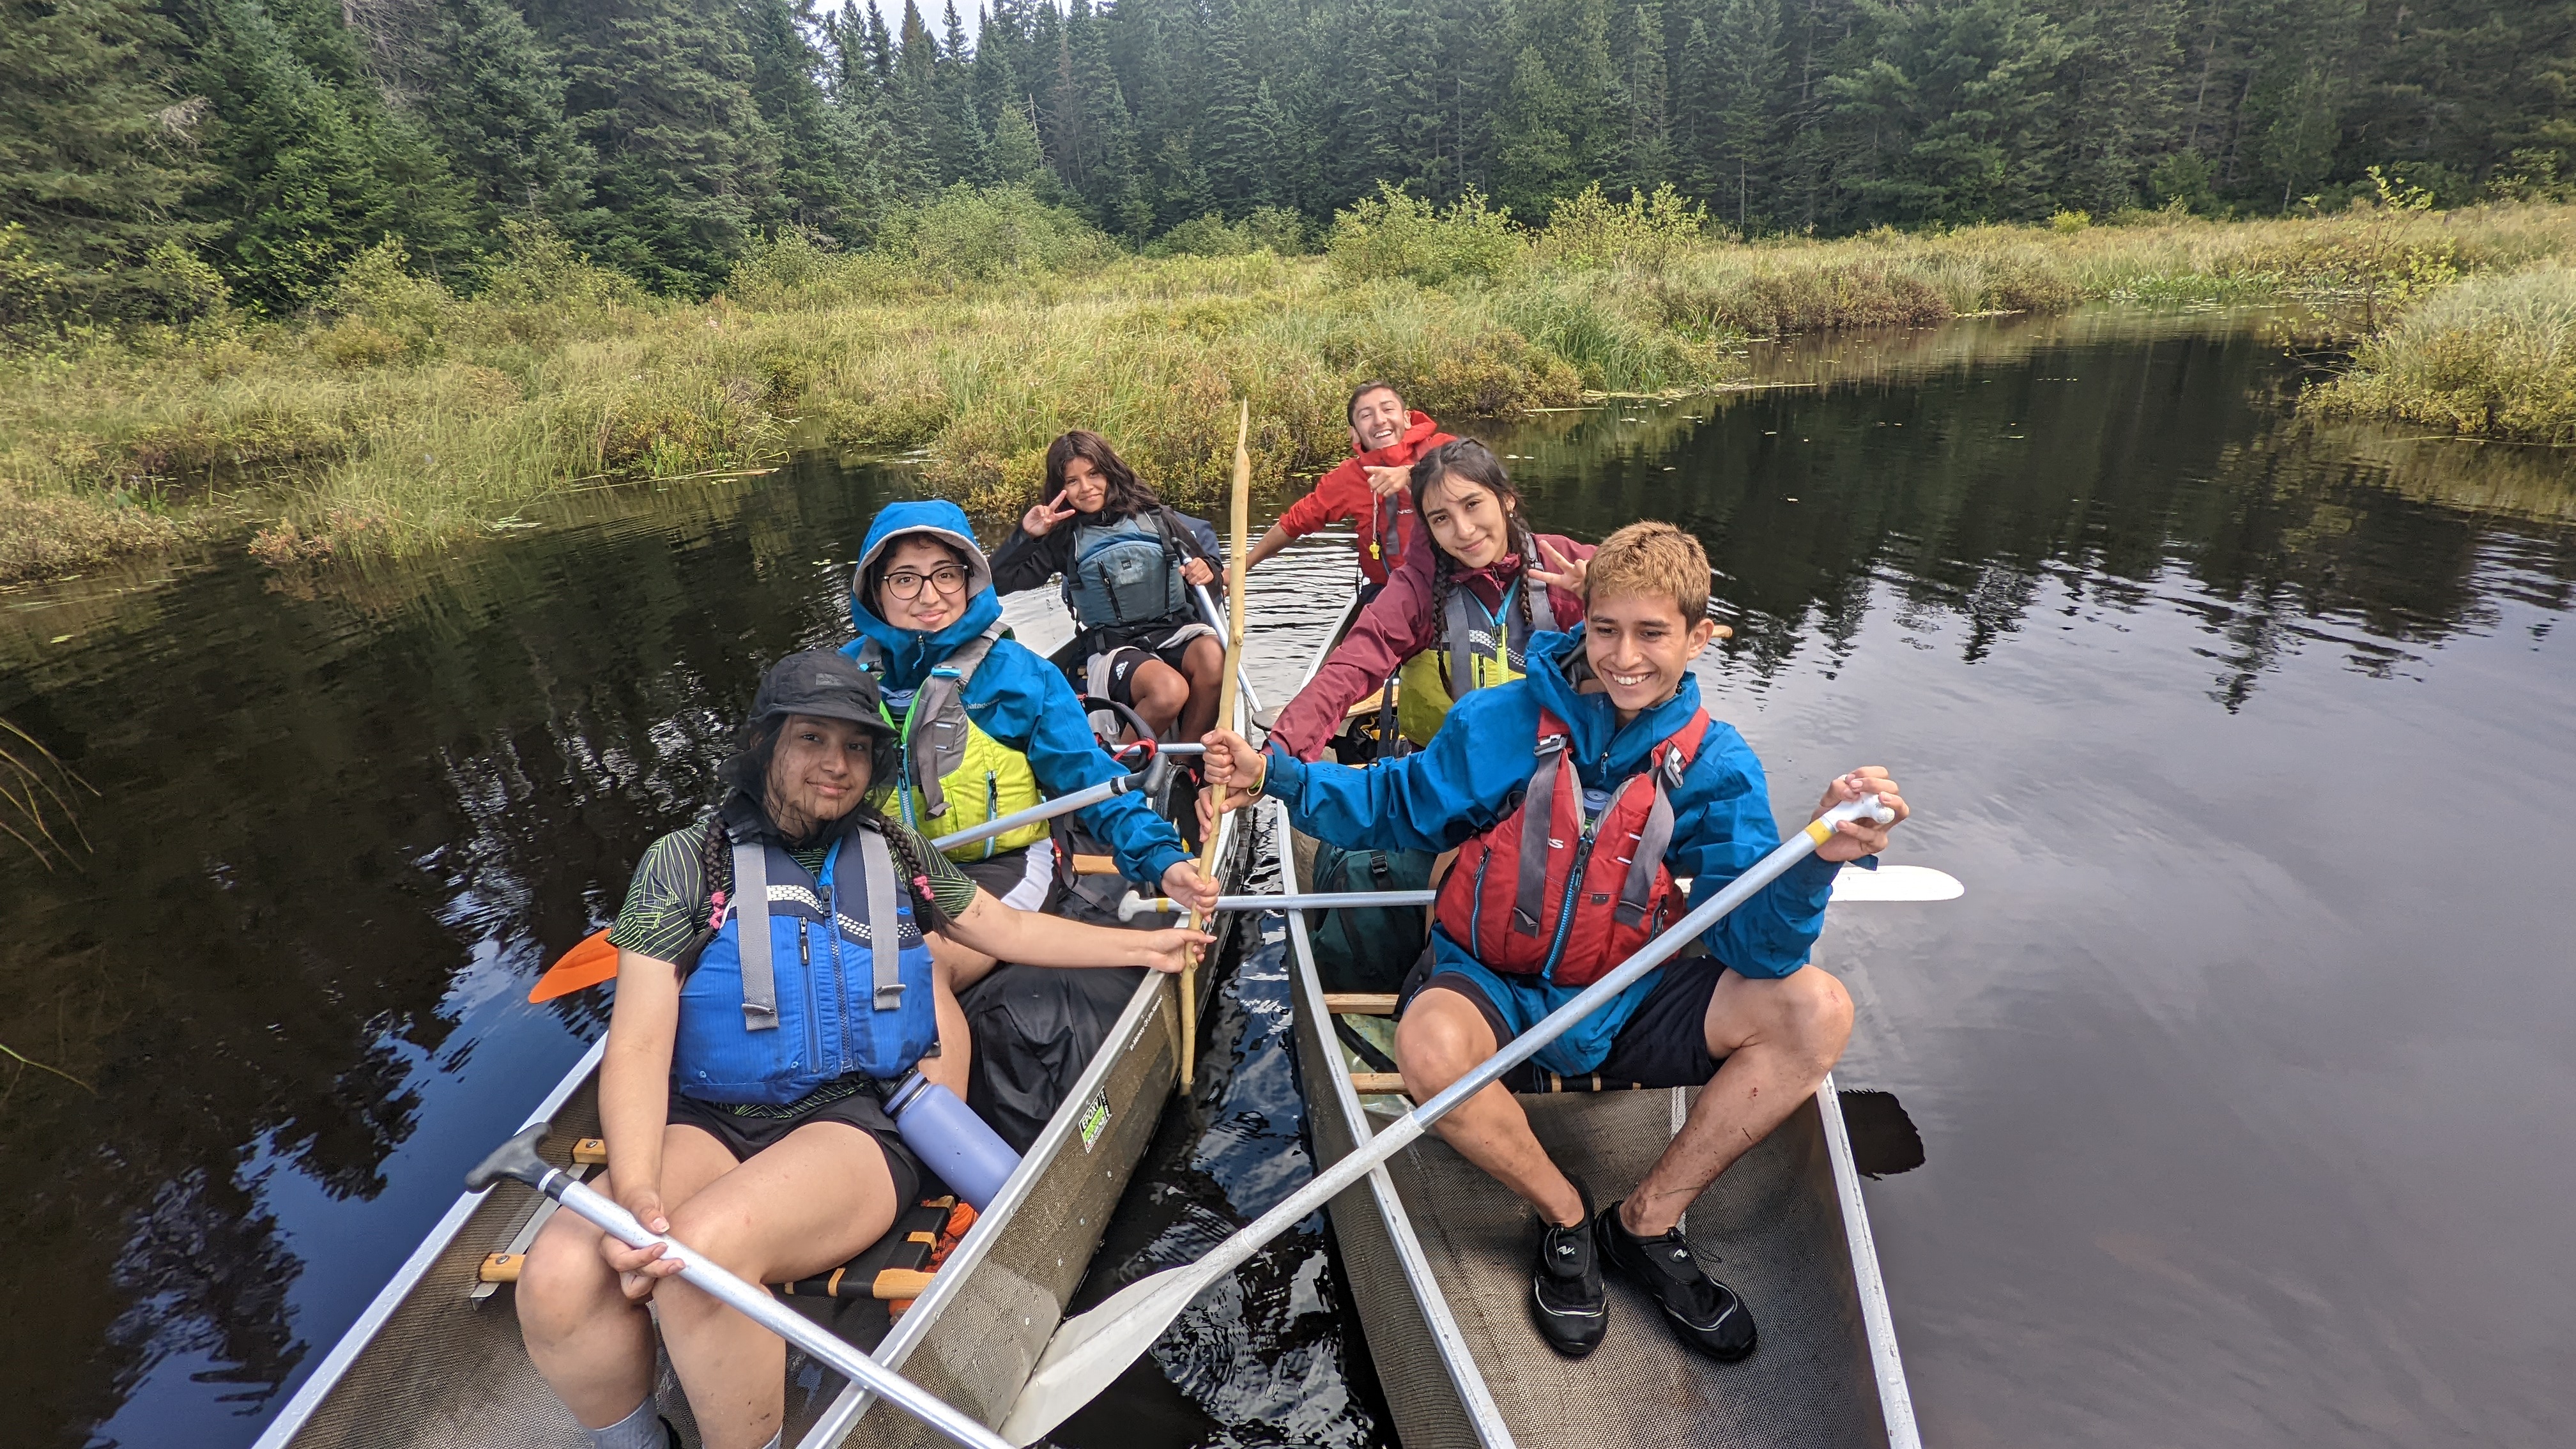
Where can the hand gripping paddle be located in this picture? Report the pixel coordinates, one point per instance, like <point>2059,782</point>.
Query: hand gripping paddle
<point>1088,1353</point>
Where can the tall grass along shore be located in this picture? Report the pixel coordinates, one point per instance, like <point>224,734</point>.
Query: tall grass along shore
<point>399,414</point>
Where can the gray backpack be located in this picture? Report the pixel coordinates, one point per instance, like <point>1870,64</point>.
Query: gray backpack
<point>1127,572</point>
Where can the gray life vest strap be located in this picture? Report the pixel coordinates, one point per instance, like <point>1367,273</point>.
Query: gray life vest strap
<point>884,946</point>
<point>1651,845</point>
<point>935,738</point>
<point>1538,811</point>
<point>750,907</point>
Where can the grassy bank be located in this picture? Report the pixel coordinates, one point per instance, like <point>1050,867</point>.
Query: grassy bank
<point>403,416</point>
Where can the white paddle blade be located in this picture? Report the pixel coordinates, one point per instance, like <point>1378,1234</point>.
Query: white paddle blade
<point>1089,1352</point>
<point>1897,883</point>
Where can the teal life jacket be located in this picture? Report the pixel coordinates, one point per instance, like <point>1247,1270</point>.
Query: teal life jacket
<point>1127,572</point>
<point>804,982</point>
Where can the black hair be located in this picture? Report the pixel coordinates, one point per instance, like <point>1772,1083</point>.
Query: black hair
<point>1351,409</point>
<point>1471,462</point>
<point>1126,496</point>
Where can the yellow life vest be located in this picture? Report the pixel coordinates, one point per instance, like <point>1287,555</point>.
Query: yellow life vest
<point>1476,651</point>
<point>953,776</point>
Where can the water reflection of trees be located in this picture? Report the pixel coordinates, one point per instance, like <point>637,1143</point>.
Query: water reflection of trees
<point>319,812</point>
<point>2048,465</point>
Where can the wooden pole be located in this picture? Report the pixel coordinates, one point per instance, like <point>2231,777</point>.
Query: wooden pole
<point>1236,548</point>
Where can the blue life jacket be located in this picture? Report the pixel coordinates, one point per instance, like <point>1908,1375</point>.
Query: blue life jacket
<point>1127,572</point>
<point>820,984</point>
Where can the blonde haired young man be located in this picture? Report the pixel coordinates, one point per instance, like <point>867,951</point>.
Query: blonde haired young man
<point>1563,870</point>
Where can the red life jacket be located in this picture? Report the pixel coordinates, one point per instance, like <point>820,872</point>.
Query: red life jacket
<point>1544,894</point>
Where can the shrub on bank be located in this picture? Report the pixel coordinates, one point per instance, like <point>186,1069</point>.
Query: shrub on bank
<point>2494,355</point>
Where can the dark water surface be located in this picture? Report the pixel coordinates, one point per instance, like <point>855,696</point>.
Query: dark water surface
<point>2241,1075</point>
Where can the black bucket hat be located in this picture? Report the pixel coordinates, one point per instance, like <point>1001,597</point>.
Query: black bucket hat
<point>821,682</point>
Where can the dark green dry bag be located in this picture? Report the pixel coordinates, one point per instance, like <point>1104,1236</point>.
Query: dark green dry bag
<point>1369,949</point>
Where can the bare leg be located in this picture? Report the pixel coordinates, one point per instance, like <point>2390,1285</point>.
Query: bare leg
<point>1778,1039</point>
<point>592,1346</point>
<point>1204,664</point>
<point>808,1203</point>
<point>1157,693</point>
<point>1442,1037</point>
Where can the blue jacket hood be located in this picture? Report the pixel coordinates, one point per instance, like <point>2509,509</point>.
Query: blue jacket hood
<point>909,654</point>
<point>1593,720</point>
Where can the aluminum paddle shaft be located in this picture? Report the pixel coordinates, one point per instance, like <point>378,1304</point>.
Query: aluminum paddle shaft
<point>517,1158</point>
<point>1045,810</point>
<point>1088,1353</point>
<point>1217,621</point>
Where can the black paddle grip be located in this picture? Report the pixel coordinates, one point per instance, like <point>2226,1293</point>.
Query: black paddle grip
<point>515,1158</point>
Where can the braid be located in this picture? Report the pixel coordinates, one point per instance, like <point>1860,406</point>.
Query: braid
<point>1527,543</point>
<point>1442,581</point>
<point>715,868</point>
<point>915,871</point>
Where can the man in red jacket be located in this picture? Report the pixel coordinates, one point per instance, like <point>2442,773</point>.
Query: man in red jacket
<point>1368,489</point>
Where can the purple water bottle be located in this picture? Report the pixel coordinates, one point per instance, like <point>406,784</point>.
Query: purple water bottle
<point>947,1135</point>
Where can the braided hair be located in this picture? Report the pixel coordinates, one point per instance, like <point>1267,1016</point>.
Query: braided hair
<point>1469,461</point>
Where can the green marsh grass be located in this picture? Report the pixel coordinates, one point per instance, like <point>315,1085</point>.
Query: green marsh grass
<point>402,417</point>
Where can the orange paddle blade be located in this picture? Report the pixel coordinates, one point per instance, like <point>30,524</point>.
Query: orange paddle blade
<point>588,964</point>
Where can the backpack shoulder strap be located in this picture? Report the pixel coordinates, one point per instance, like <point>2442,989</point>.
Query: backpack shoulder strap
<point>939,724</point>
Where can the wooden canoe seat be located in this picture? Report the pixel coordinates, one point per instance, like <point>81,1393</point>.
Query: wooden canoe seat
<point>1365,1083</point>
<point>1360,1003</point>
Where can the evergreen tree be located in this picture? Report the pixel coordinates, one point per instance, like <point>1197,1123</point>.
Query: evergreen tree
<point>821,183</point>
<point>311,166</point>
<point>1740,93</point>
<point>1017,158</point>
<point>94,149</point>
<point>661,90</point>
<point>495,102</point>
<point>1646,153</point>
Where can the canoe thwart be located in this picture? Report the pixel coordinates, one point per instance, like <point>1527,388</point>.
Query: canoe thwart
<point>1360,1003</point>
<point>1366,1083</point>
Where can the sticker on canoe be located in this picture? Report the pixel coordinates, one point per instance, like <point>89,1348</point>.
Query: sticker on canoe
<point>1095,1120</point>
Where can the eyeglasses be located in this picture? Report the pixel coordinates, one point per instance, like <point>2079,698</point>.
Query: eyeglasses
<point>948,579</point>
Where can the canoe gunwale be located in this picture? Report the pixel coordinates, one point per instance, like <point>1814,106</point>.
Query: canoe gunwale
<point>1895,1396</point>
<point>335,1366</point>
<point>1484,1416</point>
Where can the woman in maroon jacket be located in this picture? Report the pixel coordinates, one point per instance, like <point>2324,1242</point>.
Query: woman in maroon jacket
<point>1454,617</point>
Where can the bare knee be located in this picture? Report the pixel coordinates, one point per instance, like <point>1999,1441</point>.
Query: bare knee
<point>1204,663</point>
<point>564,1280</point>
<point>1812,1015</point>
<point>1437,1044</point>
<point>1159,691</point>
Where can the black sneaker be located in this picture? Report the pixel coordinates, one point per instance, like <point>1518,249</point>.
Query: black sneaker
<point>1704,1313</point>
<point>1566,1298</point>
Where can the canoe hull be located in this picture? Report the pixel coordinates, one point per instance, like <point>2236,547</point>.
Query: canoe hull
<point>1438,1258</point>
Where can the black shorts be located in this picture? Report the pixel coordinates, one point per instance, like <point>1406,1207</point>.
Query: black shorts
<point>1110,664</point>
<point>1663,1044</point>
<point>744,1136</point>
<point>1025,878</point>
